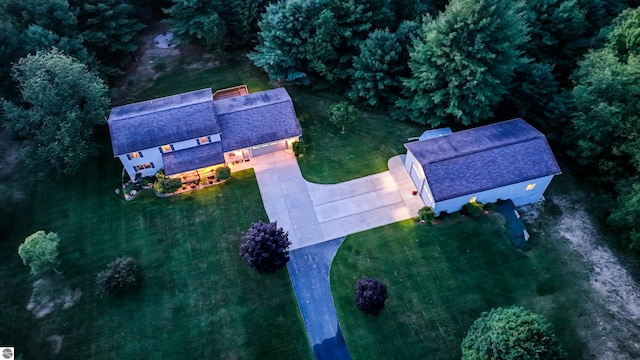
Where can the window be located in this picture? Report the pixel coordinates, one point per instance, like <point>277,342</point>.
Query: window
<point>134,155</point>
<point>530,187</point>
<point>166,148</point>
<point>473,199</point>
<point>143,166</point>
<point>203,140</point>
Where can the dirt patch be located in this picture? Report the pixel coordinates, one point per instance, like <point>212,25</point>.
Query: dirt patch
<point>149,62</point>
<point>48,296</point>
<point>611,327</point>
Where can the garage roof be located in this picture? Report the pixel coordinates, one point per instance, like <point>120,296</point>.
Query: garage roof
<point>484,158</point>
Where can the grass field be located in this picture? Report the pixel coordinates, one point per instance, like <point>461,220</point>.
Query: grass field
<point>440,279</point>
<point>196,298</point>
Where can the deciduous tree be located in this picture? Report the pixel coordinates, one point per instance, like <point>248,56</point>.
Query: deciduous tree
<point>61,102</point>
<point>198,19</point>
<point>343,115</point>
<point>265,247</point>
<point>40,251</point>
<point>463,62</point>
<point>511,333</point>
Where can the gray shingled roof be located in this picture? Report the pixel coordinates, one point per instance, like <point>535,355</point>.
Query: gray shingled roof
<point>484,158</point>
<point>192,158</point>
<point>162,121</point>
<point>256,118</point>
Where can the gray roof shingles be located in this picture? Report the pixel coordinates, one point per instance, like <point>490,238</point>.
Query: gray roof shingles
<point>484,158</point>
<point>256,118</point>
<point>162,121</point>
<point>193,158</point>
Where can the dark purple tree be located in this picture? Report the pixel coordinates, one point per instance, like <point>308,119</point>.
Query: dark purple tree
<point>265,247</point>
<point>370,296</point>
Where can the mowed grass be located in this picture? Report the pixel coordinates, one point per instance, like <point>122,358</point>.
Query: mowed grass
<point>331,157</point>
<point>196,299</point>
<point>362,150</point>
<point>441,278</point>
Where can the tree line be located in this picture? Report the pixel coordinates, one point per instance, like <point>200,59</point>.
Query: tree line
<point>567,66</point>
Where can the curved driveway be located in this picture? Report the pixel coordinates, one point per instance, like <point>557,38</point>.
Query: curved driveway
<point>317,218</point>
<point>314,213</point>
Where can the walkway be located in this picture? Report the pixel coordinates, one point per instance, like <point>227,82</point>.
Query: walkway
<point>314,213</point>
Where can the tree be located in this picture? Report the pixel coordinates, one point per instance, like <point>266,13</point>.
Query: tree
<point>109,28</point>
<point>371,295</point>
<point>61,103</point>
<point>120,274</point>
<point>243,17</point>
<point>343,115</point>
<point>297,39</point>
<point>40,251</point>
<point>464,62</point>
<point>511,333</point>
<point>265,247</point>
<point>375,79</point>
<point>198,19</point>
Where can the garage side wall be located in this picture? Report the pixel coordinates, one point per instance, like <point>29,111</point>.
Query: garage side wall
<point>418,178</point>
<point>521,193</point>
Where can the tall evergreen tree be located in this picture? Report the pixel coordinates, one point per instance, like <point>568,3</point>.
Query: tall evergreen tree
<point>464,62</point>
<point>375,80</point>
<point>198,20</point>
<point>109,28</point>
<point>242,18</point>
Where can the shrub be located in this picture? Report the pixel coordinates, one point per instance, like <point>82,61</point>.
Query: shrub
<point>167,185</point>
<point>426,214</point>
<point>370,296</point>
<point>265,247</point>
<point>223,172</point>
<point>511,333</point>
<point>490,206</point>
<point>119,275</point>
<point>474,208</point>
<point>443,214</point>
<point>147,180</point>
<point>160,175</point>
<point>299,147</point>
<point>455,216</point>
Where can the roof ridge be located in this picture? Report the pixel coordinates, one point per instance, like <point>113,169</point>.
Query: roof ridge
<point>485,149</point>
<point>246,107</point>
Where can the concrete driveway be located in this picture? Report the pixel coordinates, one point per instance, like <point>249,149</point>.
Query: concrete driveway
<point>314,213</point>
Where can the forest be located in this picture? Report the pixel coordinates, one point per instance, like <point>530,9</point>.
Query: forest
<point>570,67</point>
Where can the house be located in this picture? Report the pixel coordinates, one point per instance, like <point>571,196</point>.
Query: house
<point>190,134</point>
<point>506,160</point>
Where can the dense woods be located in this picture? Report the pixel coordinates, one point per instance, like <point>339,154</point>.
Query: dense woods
<point>571,67</point>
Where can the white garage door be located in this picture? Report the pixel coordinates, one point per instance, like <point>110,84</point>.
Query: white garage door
<point>267,148</point>
<point>415,176</point>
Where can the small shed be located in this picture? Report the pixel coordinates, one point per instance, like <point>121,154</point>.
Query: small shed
<point>505,160</point>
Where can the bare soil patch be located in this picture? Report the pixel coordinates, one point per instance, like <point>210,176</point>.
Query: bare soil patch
<point>610,327</point>
<point>150,62</point>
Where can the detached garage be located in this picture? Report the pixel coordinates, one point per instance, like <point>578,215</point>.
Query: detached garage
<point>506,160</point>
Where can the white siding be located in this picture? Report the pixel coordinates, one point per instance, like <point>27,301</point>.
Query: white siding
<point>516,192</point>
<point>151,156</point>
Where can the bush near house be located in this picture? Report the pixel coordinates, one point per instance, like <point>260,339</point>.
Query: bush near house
<point>475,209</point>
<point>223,172</point>
<point>167,185</point>
<point>299,147</point>
<point>426,214</point>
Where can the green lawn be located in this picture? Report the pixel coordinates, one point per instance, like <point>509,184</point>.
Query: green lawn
<point>440,278</point>
<point>197,299</point>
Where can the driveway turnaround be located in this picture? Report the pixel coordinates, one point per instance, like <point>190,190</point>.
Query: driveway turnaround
<point>309,272</point>
<point>314,213</point>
